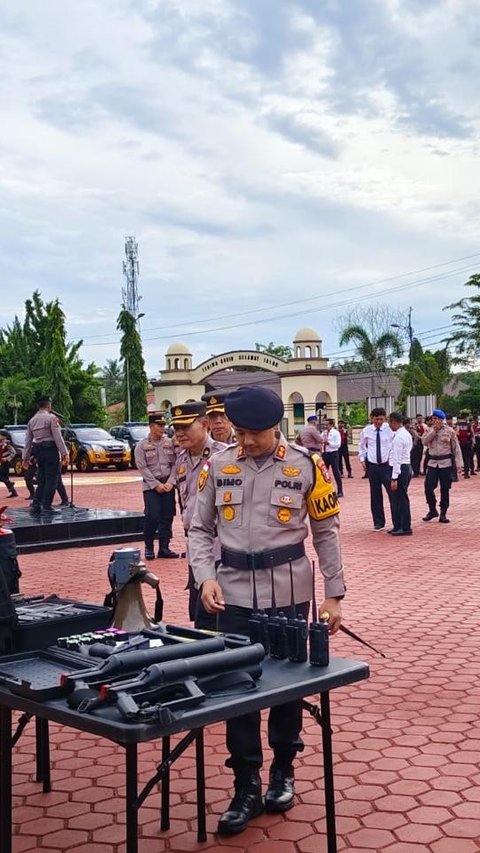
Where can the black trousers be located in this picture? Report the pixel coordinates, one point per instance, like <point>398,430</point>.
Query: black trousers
<point>331,461</point>
<point>196,611</point>
<point>379,476</point>
<point>5,476</point>
<point>344,456</point>
<point>284,721</point>
<point>467,453</point>
<point>434,476</point>
<point>48,470</point>
<point>402,519</point>
<point>159,512</point>
<point>416,457</point>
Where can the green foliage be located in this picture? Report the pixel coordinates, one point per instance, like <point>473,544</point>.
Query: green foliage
<point>135,378</point>
<point>351,365</point>
<point>465,338</point>
<point>376,352</point>
<point>280,350</point>
<point>353,413</point>
<point>468,400</point>
<point>35,359</point>
<point>112,379</point>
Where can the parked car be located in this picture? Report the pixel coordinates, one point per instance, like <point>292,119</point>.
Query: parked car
<point>133,432</point>
<point>16,435</point>
<point>94,447</point>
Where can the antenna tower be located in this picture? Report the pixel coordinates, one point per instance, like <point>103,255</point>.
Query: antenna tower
<point>130,295</point>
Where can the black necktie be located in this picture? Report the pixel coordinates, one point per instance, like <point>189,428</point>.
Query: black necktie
<point>379,447</point>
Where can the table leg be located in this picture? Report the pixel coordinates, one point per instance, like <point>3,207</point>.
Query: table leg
<point>43,753</point>
<point>165,795</point>
<point>328,772</point>
<point>131,771</point>
<point>6,780</point>
<point>201,807</point>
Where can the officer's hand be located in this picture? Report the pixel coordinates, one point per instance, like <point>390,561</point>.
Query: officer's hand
<point>160,488</point>
<point>212,597</point>
<point>167,487</point>
<point>334,610</point>
<point>65,459</point>
<point>394,485</point>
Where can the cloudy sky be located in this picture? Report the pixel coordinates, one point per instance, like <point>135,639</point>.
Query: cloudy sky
<point>278,162</point>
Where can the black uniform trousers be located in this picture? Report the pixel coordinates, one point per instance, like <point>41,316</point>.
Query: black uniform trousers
<point>5,476</point>
<point>379,474</point>
<point>331,461</point>
<point>467,454</point>
<point>402,519</point>
<point>434,476</point>
<point>159,512</point>
<point>416,457</point>
<point>344,456</point>
<point>48,469</point>
<point>284,721</point>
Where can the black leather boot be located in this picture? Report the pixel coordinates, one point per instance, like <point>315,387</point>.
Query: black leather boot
<point>165,553</point>
<point>247,803</point>
<point>443,518</point>
<point>149,552</point>
<point>281,789</point>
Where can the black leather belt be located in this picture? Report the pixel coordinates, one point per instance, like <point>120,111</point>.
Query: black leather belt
<point>253,560</point>
<point>38,444</point>
<point>437,458</point>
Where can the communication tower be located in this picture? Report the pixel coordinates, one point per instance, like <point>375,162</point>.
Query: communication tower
<point>130,295</point>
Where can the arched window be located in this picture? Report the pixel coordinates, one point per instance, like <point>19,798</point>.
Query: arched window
<point>298,353</point>
<point>317,351</point>
<point>177,364</point>
<point>185,363</point>
<point>308,351</point>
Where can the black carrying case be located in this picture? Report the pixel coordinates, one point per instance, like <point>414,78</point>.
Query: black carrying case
<point>35,622</point>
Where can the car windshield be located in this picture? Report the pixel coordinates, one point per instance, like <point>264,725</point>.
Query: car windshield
<point>18,436</point>
<point>139,432</point>
<point>93,434</point>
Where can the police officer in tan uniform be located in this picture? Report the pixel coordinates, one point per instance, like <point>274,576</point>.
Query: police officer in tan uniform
<point>44,440</point>
<point>155,459</point>
<point>443,450</point>
<point>220,427</point>
<point>196,446</point>
<point>257,497</point>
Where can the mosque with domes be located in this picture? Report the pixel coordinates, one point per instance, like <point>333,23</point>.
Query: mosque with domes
<point>305,382</point>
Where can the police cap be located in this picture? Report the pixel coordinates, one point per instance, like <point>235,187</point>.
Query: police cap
<point>253,407</point>
<point>215,401</point>
<point>157,418</point>
<point>186,413</point>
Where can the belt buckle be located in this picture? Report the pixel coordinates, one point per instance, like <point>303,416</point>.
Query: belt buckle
<point>252,560</point>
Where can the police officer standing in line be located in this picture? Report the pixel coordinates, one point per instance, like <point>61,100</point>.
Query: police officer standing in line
<point>44,440</point>
<point>220,427</point>
<point>256,496</point>
<point>443,450</point>
<point>196,446</point>
<point>155,460</point>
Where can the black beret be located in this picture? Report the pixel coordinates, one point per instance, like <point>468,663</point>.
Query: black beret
<point>186,413</point>
<point>253,407</point>
<point>157,418</point>
<point>215,401</point>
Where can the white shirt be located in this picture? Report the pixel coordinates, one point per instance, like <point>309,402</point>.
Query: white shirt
<point>367,448</point>
<point>332,440</point>
<point>400,451</point>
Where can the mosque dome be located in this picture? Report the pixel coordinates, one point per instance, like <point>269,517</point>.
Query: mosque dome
<point>306,334</point>
<point>177,348</point>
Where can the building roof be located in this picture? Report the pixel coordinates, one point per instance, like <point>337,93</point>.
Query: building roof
<point>177,348</point>
<point>305,335</point>
<point>353,387</point>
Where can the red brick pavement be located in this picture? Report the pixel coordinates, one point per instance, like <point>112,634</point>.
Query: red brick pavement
<point>407,741</point>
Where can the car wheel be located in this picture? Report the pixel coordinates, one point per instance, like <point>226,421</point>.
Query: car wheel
<point>83,463</point>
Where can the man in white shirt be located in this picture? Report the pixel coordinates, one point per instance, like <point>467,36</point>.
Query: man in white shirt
<point>332,440</point>
<point>401,475</point>
<point>374,448</point>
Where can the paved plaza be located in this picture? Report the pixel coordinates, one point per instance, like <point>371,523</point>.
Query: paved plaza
<point>406,742</point>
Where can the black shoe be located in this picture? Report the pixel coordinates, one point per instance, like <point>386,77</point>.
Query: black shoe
<point>64,503</point>
<point>281,789</point>
<point>13,494</point>
<point>50,510</point>
<point>432,514</point>
<point>149,554</point>
<point>247,803</point>
<point>379,527</point>
<point>401,532</point>
<point>339,494</point>
<point>35,510</point>
<point>350,476</point>
<point>443,519</point>
<point>166,554</point>
<point>393,530</point>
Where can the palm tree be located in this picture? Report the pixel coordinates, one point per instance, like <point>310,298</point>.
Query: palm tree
<point>378,352</point>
